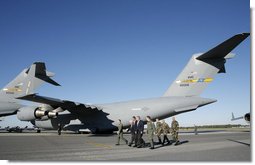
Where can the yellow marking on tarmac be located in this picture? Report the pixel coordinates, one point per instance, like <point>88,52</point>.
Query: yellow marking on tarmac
<point>100,145</point>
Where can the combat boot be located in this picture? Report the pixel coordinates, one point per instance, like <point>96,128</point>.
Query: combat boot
<point>159,140</point>
<point>177,142</point>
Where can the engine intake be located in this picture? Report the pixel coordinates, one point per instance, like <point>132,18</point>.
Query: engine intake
<point>247,117</point>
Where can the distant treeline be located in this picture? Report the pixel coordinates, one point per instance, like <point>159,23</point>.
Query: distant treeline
<point>218,126</point>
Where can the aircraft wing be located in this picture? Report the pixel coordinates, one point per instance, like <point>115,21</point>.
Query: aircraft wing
<point>71,106</point>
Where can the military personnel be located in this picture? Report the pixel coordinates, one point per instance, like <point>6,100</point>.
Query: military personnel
<point>195,130</point>
<point>139,132</point>
<point>159,130</point>
<point>150,131</point>
<point>132,130</point>
<point>59,128</point>
<point>166,130</point>
<point>120,134</point>
<point>175,130</point>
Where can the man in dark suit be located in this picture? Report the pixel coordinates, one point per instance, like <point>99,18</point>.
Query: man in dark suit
<point>132,130</point>
<point>139,132</point>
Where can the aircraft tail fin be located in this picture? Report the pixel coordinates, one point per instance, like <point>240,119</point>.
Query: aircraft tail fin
<point>233,117</point>
<point>202,68</point>
<point>27,81</point>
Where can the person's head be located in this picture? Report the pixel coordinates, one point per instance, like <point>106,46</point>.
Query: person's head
<point>148,118</point>
<point>131,122</point>
<point>138,118</point>
<point>134,118</point>
<point>173,118</point>
<point>157,120</point>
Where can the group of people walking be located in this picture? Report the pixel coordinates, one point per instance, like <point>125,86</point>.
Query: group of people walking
<point>137,130</point>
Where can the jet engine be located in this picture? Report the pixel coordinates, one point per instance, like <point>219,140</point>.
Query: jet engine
<point>46,124</point>
<point>33,113</point>
<point>247,117</point>
<point>30,113</point>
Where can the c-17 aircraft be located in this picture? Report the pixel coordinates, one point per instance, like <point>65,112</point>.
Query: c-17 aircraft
<point>25,83</point>
<point>182,96</point>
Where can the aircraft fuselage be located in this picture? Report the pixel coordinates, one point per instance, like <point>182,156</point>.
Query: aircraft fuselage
<point>106,118</point>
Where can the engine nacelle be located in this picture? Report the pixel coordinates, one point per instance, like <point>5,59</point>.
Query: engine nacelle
<point>46,124</point>
<point>30,113</point>
<point>247,117</point>
<point>35,113</point>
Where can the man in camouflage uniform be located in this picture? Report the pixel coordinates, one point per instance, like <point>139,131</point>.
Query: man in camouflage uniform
<point>175,130</point>
<point>159,130</point>
<point>120,134</point>
<point>166,130</point>
<point>150,131</point>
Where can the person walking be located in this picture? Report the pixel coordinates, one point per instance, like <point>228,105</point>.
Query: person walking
<point>139,132</point>
<point>159,130</point>
<point>120,134</point>
<point>150,131</point>
<point>132,130</point>
<point>59,128</point>
<point>175,130</point>
<point>166,130</point>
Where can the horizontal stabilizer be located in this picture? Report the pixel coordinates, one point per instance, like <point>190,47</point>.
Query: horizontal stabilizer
<point>40,72</point>
<point>224,48</point>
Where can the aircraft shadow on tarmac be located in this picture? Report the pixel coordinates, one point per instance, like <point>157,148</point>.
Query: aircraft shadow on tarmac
<point>100,135</point>
<point>239,142</point>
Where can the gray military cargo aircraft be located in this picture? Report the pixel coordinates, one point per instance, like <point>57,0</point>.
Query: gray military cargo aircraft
<point>25,83</point>
<point>182,96</point>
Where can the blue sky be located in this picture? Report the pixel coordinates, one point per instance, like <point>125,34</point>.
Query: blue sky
<point>116,50</point>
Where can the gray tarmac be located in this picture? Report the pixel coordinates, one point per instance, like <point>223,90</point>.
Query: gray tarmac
<point>217,146</point>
